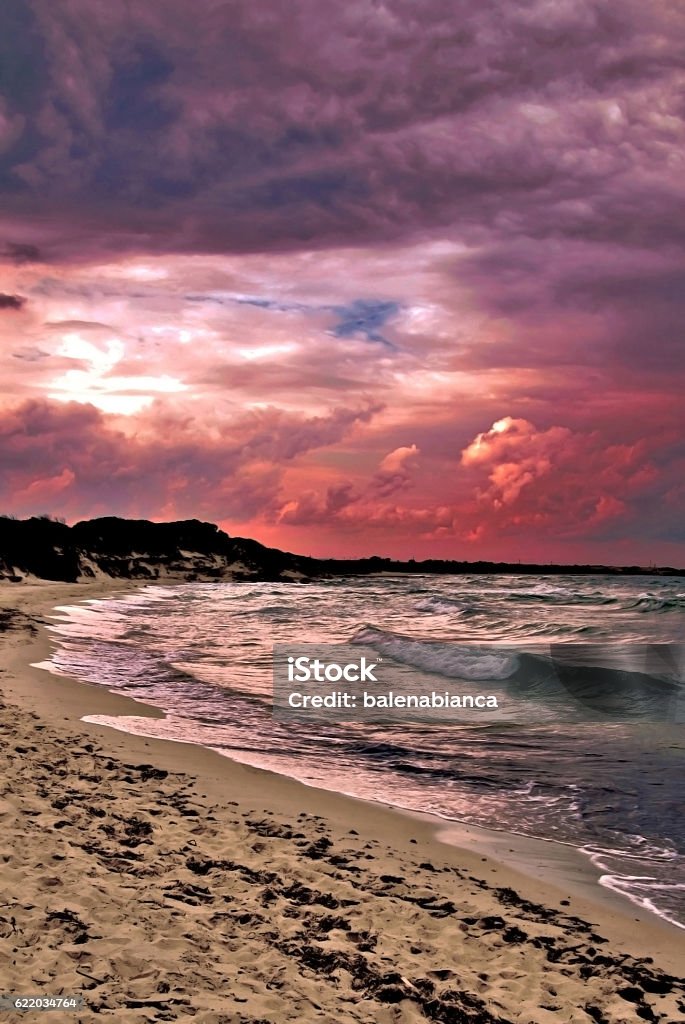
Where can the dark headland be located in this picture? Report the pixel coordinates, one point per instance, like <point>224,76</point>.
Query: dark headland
<point>48,549</point>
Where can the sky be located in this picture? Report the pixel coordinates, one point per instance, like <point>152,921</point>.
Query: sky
<point>396,277</point>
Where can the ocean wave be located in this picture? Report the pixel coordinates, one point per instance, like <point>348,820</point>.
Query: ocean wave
<point>454,661</point>
<point>651,603</point>
<point>442,605</point>
<point>595,681</point>
<point>642,871</point>
<point>596,688</point>
<point>558,595</point>
<point>274,610</point>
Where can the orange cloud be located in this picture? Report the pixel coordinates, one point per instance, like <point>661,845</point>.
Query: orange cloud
<point>516,454</point>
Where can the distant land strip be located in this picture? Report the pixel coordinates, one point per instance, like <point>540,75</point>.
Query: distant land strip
<point>46,548</point>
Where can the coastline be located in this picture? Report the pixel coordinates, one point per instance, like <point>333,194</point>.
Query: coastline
<point>544,875</point>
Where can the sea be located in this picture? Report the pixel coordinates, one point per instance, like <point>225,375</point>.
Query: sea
<point>612,787</point>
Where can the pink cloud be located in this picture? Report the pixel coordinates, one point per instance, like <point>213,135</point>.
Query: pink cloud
<point>234,475</point>
<point>558,482</point>
<point>46,489</point>
<point>397,460</point>
<point>516,454</point>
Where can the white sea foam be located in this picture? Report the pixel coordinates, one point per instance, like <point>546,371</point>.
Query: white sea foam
<point>454,661</point>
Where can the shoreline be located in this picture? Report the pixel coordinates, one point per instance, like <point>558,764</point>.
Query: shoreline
<point>560,865</point>
<point>541,874</point>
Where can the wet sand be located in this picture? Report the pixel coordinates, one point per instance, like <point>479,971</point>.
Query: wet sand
<point>160,881</point>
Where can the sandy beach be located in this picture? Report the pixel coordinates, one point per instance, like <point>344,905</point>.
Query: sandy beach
<point>159,881</point>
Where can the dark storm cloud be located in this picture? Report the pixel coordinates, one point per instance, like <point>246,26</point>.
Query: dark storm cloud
<point>21,252</point>
<point>243,126</point>
<point>11,301</point>
<point>617,306</point>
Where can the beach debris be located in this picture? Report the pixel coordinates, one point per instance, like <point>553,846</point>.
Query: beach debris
<point>193,895</point>
<point>318,849</point>
<point>71,924</point>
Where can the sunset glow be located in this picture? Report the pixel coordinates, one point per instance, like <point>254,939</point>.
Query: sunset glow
<point>348,287</point>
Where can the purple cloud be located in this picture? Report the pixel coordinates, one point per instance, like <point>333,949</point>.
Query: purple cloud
<point>225,128</point>
<point>11,301</point>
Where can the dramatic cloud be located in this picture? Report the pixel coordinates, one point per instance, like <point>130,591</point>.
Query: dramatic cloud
<point>570,483</point>
<point>515,454</point>
<point>225,127</point>
<point>357,276</point>
<point>72,451</point>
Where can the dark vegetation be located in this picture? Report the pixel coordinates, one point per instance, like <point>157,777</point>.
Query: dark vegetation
<point>190,549</point>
